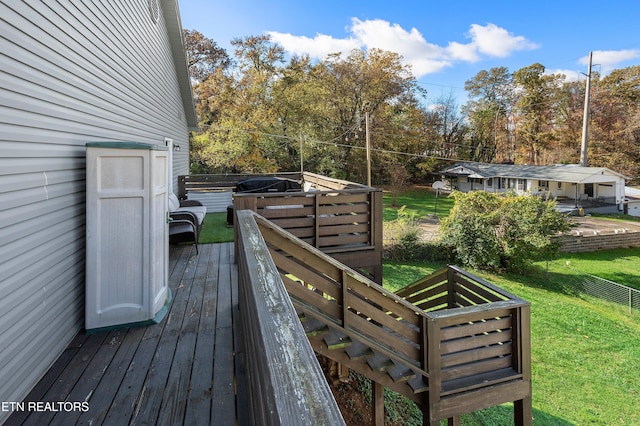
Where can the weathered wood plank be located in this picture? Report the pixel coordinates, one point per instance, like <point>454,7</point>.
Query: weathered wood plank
<point>105,392</point>
<point>86,384</point>
<point>178,383</point>
<point>51,377</point>
<point>284,376</point>
<point>223,407</point>
<point>151,399</point>
<point>69,377</point>
<point>198,410</point>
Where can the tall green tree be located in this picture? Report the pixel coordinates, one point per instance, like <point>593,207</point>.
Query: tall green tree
<point>535,104</point>
<point>488,110</point>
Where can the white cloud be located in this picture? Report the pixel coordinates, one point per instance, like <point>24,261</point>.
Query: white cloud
<point>423,57</point>
<point>318,47</point>
<point>498,42</point>
<point>570,75</point>
<point>609,60</point>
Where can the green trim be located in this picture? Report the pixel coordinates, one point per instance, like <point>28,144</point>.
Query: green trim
<point>162,312</point>
<point>127,145</point>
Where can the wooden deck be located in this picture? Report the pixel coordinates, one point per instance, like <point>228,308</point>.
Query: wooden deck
<point>188,369</point>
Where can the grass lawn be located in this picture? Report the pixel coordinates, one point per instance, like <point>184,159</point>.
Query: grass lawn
<point>585,352</point>
<point>214,229</point>
<point>418,202</point>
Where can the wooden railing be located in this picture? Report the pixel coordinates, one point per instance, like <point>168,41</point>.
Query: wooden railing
<point>204,182</point>
<point>452,342</point>
<point>339,217</point>
<point>285,382</point>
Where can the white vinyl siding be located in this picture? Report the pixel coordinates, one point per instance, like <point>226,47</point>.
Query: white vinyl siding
<point>70,73</point>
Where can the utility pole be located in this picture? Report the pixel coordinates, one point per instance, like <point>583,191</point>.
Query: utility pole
<point>368,141</point>
<point>301,157</point>
<point>585,120</point>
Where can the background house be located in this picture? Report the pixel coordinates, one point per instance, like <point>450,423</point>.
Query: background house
<point>591,187</point>
<point>72,73</point>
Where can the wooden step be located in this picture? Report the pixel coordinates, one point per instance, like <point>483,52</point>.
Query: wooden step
<point>400,373</point>
<point>335,340</point>
<point>358,351</point>
<point>379,362</point>
<point>314,327</point>
<point>418,384</point>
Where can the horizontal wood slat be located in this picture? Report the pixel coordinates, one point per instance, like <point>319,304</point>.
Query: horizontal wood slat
<point>479,327</point>
<point>437,277</point>
<point>469,343</point>
<point>478,354</point>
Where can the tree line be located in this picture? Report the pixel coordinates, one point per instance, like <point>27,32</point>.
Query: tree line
<point>260,111</point>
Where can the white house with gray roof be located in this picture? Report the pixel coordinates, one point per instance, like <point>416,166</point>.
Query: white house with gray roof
<point>72,72</point>
<point>581,186</point>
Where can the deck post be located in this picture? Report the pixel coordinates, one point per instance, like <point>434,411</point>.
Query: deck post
<point>523,409</point>
<point>377,403</point>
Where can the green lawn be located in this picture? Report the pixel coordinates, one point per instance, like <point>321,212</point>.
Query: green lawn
<point>585,352</point>
<point>419,203</point>
<point>214,229</point>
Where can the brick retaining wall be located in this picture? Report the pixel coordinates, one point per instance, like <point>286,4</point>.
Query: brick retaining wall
<point>598,241</point>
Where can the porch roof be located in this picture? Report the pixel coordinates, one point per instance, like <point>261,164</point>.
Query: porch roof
<point>559,172</point>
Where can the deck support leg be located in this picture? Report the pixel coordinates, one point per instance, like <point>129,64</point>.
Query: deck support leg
<point>523,412</point>
<point>453,421</point>
<point>377,403</point>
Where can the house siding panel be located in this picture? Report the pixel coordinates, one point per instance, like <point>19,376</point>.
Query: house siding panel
<point>70,73</point>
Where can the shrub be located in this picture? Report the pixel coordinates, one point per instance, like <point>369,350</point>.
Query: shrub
<point>492,231</point>
<point>403,240</point>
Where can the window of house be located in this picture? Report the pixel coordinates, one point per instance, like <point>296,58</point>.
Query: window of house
<point>543,184</point>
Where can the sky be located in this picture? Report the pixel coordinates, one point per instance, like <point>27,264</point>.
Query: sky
<point>445,42</point>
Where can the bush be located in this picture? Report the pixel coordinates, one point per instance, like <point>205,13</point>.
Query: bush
<point>495,232</point>
<point>403,240</point>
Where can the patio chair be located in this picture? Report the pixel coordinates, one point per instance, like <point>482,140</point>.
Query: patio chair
<point>186,222</point>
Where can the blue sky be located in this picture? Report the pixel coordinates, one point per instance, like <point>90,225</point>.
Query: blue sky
<point>445,42</point>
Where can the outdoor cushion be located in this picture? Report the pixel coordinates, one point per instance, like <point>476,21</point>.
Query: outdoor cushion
<point>198,210</point>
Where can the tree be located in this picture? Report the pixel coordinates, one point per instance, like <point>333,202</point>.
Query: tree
<point>535,105</point>
<point>488,109</point>
<point>496,232</point>
<point>203,55</point>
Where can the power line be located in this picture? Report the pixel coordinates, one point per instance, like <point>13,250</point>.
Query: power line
<point>332,142</point>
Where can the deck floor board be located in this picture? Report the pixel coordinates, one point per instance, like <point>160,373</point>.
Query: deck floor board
<point>180,371</point>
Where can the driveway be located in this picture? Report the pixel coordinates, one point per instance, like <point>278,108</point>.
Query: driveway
<point>585,225</point>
